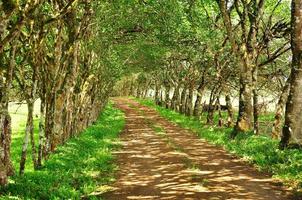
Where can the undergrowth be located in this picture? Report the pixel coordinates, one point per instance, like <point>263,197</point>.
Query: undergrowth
<point>261,150</point>
<point>78,168</point>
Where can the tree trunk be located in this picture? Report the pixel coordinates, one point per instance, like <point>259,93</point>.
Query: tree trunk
<point>49,123</point>
<point>245,111</point>
<point>211,107</point>
<point>175,99</point>
<point>32,136</point>
<point>218,106</point>
<point>28,133</point>
<point>255,101</point>
<point>276,131</point>
<point>183,100</point>
<point>161,98</point>
<point>69,114</point>
<point>256,112</point>
<point>292,129</point>
<point>58,123</point>
<point>33,146</point>
<point>198,104</point>
<point>75,115</point>
<point>246,57</point>
<point>189,102</point>
<point>138,92</point>
<point>167,97</point>
<point>230,110</point>
<point>132,89</point>
<point>6,167</point>
<point>41,132</point>
<point>156,95</point>
<point>145,92</point>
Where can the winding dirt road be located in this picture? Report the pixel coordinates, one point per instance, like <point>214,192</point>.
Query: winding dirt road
<point>159,160</point>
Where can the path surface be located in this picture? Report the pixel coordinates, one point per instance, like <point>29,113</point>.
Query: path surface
<point>160,160</point>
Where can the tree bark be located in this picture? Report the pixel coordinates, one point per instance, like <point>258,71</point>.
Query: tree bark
<point>277,130</point>
<point>161,98</point>
<point>41,132</point>
<point>157,94</point>
<point>211,106</point>
<point>255,101</point>
<point>183,100</point>
<point>245,111</point>
<point>167,97</point>
<point>218,106</point>
<point>175,98</point>
<point>49,123</point>
<point>138,92</point>
<point>230,110</point>
<point>198,104</point>
<point>292,129</point>
<point>6,75</point>
<point>28,134</point>
<point>189,101</point>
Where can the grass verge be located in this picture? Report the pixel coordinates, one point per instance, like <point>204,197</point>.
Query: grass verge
<point>80,167</point>
<point>260,150</point>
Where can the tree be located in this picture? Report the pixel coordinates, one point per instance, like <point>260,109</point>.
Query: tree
<point>48,50</point>
<point>292,129</point>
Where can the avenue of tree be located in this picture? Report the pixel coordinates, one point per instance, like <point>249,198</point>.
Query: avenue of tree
<point>73,54</point>
<point>51,50</point>
<point>245,50</point>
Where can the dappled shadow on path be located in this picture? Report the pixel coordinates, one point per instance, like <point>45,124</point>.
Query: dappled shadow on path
<point>175,164</point>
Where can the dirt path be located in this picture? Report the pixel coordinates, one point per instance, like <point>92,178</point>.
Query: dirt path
<point>160,160</point>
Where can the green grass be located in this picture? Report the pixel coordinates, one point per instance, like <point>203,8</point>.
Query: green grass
<point>78,168</point>
<point>260,150</point>
<point>158,129</point>
<point>16,146</point>
<point>19,115</point>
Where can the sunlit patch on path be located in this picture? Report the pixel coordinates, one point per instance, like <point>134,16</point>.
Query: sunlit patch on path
<point>160,160</point>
